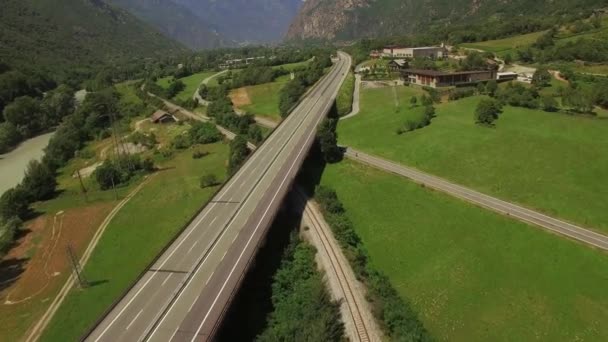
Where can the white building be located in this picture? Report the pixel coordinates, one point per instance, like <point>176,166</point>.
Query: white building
<point>433,52</point>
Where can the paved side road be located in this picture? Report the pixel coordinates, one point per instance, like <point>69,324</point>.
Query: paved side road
<point>529,216</point>
<point>356,97</point>
<point>197,96</point>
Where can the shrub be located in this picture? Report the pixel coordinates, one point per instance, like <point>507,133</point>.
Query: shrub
<point>199,154</point>
<point>487,112</point>
<point>208,180</point>
<point>204,133</point>
<point>8,229</point>
<point>181,142</point>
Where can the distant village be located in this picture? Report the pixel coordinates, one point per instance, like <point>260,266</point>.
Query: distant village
<point>400,58</point>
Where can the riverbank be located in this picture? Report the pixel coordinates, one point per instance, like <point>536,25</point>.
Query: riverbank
<point>13,163</point>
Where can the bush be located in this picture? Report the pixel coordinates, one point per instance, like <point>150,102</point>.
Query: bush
<point>238,153</point>
<point>487,112</point>
<point>8,229</point>
<point>199,154</point>
<point>39,181</point>
<point>549,103</point>
<point>460,93</point>
<point>208,180</point>
<point>204,133</point>
<point>14,203</point>
<point>181,142</point>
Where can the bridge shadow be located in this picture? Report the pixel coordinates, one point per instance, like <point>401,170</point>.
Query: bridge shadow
<point>253,301</point>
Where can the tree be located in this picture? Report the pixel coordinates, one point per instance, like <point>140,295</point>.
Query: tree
<point>204,133</point>
<point>238,153</point>
<point>25,113</point>
<point>181,142</point>
<point>508,59</point>
<point>39,182</point>
<point>108,175</point>
<point>328,141</point>
<point>487,111</point>
<point>208,180</point>
<point>14,203</point>
<point>426,100</point>
<point>255,133</point>
<point>541,77</point>
<point>481,88</point>
<point>57,104</point>
<point>492,87</point>
<point>549,103</point>
<point>413,101</point>
<point>429,112</point>
<point>9,136</point>
<point>8,229</point>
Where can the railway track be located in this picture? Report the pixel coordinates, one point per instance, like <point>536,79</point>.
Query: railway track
<point>337,266</point>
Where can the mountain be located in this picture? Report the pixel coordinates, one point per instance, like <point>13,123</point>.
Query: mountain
<point>246,21</point>
<point>175,21</point>
<point>63,36</point>
<point>351,19</point>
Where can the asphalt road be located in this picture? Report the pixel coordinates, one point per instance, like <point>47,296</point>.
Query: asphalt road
<point>184,295</point>
<point>524,214</point>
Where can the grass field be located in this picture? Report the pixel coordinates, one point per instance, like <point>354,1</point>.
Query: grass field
<point>263,99</point>
<point>137,234</point>
<point>553,162</point>
<point>473,275</point>
<point>192,83</point>
<point>506,44</point>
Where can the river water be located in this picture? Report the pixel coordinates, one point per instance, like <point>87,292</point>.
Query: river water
<point>13,164</point>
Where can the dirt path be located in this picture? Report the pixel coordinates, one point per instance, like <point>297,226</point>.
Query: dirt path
<point>37,330</point>
<point>359,323</point>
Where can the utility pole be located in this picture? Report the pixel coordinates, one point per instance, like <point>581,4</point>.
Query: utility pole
<point>82,282</point>
<point>82,187</point>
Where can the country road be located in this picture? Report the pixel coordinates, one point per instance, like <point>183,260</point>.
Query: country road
<point>197,96</point>
<point>185,293</point>
<point>551,224</point>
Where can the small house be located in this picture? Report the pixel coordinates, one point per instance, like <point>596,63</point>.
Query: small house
<point>160,116</point>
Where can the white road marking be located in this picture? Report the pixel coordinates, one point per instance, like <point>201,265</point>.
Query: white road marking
<point>134,319</point>
<point>193,302</point>
<point>254,232</point>
<point>207,282</point>
<point>166,279</point>
<point>193,245</point>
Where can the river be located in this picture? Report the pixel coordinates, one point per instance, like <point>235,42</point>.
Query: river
<point>13,164</point>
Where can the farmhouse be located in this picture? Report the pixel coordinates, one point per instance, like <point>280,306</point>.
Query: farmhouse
<point>433,52</point>
<point>398,64</point>
<point>160,116</point>
<point>433,78</point>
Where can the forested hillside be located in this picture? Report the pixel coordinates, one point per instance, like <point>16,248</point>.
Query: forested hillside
<point>61,37</point>
<point>175,21</point>
<point>458,20</point>
<point>246,20</point>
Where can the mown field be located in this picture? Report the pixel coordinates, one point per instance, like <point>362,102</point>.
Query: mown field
<point>137,234</point>
<point>192,83</point>
<point>264,99</point>
<point>552,162</point>
<point>506,44</point>
<point>473,275</point>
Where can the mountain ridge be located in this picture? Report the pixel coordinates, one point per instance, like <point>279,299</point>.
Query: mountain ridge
<point>353,19</point>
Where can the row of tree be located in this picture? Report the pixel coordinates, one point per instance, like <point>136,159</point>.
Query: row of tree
<point>302,307</point>
<point>294,89</point>
<point>397,317</point>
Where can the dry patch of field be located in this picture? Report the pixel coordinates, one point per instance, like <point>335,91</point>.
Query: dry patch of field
<point>36,268</point>
<point>240,97</point>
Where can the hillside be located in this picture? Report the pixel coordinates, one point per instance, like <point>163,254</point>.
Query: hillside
<point>64,36</point>
<point>350,19</point>
<point>175,21</point>
<point>245,20</point>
